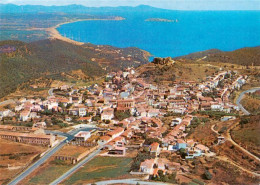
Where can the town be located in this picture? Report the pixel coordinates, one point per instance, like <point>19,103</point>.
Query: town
<point>124,115</point>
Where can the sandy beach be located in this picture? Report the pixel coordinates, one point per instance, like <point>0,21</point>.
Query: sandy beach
<point>54,34</point>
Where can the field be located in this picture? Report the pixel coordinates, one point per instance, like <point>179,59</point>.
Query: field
<point>53,168</point>
<point>17,156</point>
<point>47,172</point>
<point>101,168</point>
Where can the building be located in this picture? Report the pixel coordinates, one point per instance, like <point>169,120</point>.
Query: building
<point>147,166</point>
<point>155,149</point>
<point>181,144</point>
<point>115,133</point>
<point>107,114</point>
<point>24,115</point>
<point>37,139</point>
<point>82,112</point>
<point>125,104</point>
<point>82,136</point>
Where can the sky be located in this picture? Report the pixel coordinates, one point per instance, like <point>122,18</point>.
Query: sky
<point>167,4</point>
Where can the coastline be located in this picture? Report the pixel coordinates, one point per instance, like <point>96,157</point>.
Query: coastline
<point>54,33</point>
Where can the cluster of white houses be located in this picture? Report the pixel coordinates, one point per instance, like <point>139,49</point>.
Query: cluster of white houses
<point>125,93</point>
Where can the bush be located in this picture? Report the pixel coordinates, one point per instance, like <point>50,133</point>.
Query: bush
<point>96,118</point>
<point>62,125</point>
<point>208,175</point>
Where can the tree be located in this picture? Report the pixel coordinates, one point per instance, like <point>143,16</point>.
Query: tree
<point>208,175</point>
<point>183,152</point>
<point>122,115</point>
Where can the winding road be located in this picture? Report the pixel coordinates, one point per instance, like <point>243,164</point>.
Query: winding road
<point>50,92</point>
<point>229,137</point>
<point>241,97</point>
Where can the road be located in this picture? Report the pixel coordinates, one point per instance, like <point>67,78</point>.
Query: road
<point>77,166</point>
<point>212,128</point>
<point>241,97</point>
<point>128,181</point>
<point>38,163</point>
<point>7,102</point>
<point>44,158</point>
<point>50,92</point>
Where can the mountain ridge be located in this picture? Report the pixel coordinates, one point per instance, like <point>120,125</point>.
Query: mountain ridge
<point>73,8</point>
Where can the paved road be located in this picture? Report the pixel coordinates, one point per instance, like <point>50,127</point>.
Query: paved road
<point>7,102</point>
<point>241,97</point>
<point>77,166</point>
<point>38,163</point>
<point>50,92</point>
<point>35,165</point>
<point>129,181</point>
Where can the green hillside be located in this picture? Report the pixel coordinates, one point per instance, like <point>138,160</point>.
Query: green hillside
<point>21,61</point>
<point>244,56</point>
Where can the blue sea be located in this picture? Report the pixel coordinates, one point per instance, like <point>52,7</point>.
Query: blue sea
<point>195,31</point>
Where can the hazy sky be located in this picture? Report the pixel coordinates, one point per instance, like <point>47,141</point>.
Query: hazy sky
<point>168,4</point>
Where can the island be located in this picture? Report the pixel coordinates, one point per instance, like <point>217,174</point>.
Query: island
<point>160,20</point>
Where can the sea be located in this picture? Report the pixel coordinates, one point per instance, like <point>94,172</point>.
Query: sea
<point>189,31</point>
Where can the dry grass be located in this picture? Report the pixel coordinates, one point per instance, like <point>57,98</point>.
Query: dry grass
<point>18,156</point>
<point>73,151</point>
<point>248,136</point>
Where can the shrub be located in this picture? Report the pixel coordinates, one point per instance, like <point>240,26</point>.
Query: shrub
<point>208,175</point>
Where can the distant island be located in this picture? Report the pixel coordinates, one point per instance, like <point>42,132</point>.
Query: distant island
<point>160,20</point>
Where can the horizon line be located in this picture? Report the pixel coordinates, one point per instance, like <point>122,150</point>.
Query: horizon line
<point>132,6</point>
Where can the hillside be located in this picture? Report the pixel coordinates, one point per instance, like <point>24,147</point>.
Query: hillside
<point>22,61</point>
<point>197,66</point>
<point>247,134</point>
<point>245,56</point>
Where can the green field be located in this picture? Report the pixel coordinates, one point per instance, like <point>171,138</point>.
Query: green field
<point>49,174</point>
<point>101,168</point>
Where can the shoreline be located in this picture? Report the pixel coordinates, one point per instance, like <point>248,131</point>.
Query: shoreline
<point>55,34</point>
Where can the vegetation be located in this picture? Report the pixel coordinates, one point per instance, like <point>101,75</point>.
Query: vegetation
<point>51,58</point>
<point>171,178</point>
<point>208,175</point>
<point>216,114</point>
<point>50,173</point>
<point>141,157</point>
<point>244,56</point>
<point>101,168</point>
<point>122,115</point>
<point>247,134</point>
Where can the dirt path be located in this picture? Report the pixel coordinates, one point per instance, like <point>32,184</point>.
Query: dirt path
<point>213,130</point>
<point>228,137</point>
<point>226,159</point>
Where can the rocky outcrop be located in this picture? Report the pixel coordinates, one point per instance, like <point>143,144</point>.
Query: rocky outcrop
<point>163,61</point>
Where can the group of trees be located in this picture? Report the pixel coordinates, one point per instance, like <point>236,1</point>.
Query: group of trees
<point>122,115</point>
<point>141,157</point>
<point>164,177</point>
